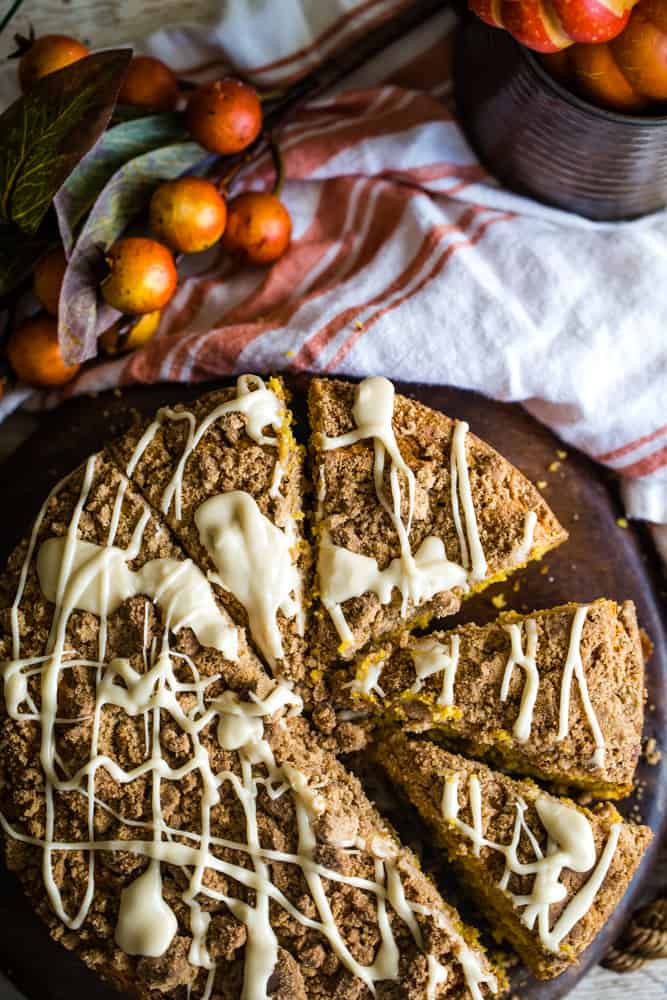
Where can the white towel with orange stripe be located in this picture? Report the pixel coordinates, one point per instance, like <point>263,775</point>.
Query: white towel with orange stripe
<point>409,260</point>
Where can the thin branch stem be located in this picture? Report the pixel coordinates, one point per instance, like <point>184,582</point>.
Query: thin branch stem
<point>279,165</point>
<point>226,179</point>
<point>10,14</point>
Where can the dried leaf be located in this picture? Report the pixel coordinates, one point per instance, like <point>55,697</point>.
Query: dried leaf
<point>47,131</point>
<point>124,197</point>
<point>117,146</point>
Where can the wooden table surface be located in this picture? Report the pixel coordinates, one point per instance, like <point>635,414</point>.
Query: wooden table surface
<point>107,22</point>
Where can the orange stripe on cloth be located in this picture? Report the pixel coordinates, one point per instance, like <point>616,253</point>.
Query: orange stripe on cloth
<point>318,342</point>
<point>644,466</point>
<point>626,449</point>
<point>437,269</point>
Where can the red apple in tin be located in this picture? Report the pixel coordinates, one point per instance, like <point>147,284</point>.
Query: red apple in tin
<point>552,25</point>
<point>532,23</point>
<point>593,21</point>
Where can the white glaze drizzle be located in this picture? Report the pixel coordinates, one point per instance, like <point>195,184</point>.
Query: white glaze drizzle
<point>472,553</point>
<point>418,576</point>
<point>570,845</point>
<point>368,682</point>
<point>100,580</point>
<point>146,923</point>
<point>527,661</point>
<point>474,973</point>
<point>437,975</point>
<point>255,561</point>
<point>574,666</point>
<point>261,408</point>
<point>529,524</point>
<point>344,575</point>
<point>372,412</point>
<point>432,657</point>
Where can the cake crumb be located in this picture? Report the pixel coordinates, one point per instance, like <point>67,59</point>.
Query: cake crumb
<point>359,325</point>
<point>554,467</point>
<point>561,454</point>
<point>499,601</point>
<point>651,753</point>
<point>542,484</point>
<point>622,522</point>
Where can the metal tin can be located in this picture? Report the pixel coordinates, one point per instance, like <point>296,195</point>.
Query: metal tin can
<point>540,139</point>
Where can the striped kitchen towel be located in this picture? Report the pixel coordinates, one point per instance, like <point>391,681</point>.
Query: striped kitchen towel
<point>409,260</point>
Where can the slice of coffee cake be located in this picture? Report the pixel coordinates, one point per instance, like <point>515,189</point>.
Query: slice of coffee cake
<point>546,872</point>
<point>558,694</point>
<point>227,475</point>
<point>413,512</point>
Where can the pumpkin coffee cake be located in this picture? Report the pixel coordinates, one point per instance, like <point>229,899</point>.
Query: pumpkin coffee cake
<point>170,811</point>
<point>558,694</point>
<point>413,512</point>
<point>164,802</point>
<point>547,872</point>
<point>227,475</point>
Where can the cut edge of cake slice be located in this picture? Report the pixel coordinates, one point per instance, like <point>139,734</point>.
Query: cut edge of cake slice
<point>227,475</point>
<point>413,513</point>
<point>557,694</point>
<point>547,872</point>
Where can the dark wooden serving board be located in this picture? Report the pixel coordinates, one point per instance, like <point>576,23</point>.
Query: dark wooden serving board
<point>600,559</point>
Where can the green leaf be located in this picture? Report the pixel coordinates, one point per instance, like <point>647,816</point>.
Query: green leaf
<point>47,131</point>
<point>124,197</point>
<point>118,145</point>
